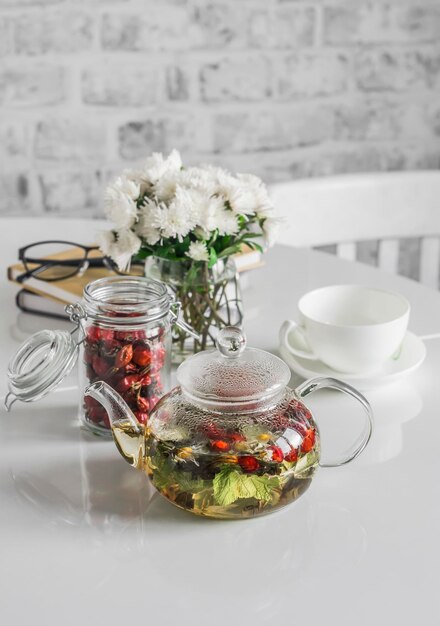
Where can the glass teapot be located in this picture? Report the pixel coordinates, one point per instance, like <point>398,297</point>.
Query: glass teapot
<point>232,440</point>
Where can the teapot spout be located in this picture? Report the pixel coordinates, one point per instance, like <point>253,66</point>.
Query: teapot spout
<point>127,433</point>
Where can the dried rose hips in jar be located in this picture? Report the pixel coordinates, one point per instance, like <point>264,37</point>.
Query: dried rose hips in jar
<point>127,333</point>
<point>125,367</point>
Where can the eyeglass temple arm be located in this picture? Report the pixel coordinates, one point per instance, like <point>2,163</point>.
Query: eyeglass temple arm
<point>22,277</point>
<point>51,241</point>
<point>66,262</point>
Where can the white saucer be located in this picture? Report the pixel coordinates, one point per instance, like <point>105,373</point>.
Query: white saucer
<point>411,356</point>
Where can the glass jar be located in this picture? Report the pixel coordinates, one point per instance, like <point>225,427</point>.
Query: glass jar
<point>127,344</point>
<point>122,337</point>
<point>210,299</point>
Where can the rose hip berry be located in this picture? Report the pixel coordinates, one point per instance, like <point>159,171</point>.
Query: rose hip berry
<point>95,333</point>
<point>277,454</point>
<point>97,414</point>
<point>212,431</point>
<point>220,446</point>
<point>100,365</point>
<point>248,463</point>
<point>145,381</point>
<point>124,356</point>
<point>141,356</point>
<point>237,437</point>
<point>308,441</point>
<point>127,382</point>
<point>292,456</point>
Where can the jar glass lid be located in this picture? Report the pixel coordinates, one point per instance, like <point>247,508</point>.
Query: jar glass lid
<point>40,364</point>
<point>233,373</point>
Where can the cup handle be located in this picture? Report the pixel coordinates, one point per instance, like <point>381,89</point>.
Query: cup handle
<point>309,386</point>
<point>285,330</point>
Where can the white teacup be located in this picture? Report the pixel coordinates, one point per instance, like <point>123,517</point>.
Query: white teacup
<point>350,328</point>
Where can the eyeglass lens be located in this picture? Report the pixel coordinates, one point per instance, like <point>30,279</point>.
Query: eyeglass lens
<point>47,256</point>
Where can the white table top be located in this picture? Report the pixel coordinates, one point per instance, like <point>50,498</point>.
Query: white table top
<point>85,540</point>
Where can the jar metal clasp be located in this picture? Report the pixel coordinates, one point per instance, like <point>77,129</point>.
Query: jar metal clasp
<point>78,316</point>
<point>177,319</point>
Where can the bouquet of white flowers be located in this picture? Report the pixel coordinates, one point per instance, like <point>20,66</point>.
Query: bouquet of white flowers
<point>199,213</point>
<point>195,217</point>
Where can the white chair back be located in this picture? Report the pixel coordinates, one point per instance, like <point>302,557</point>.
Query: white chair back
<point>347,209</point>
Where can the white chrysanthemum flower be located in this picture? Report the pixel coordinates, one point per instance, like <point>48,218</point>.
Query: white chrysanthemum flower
<point>271,226</point>
<point>146,226</point>
<point>105,239</point>
<point>133,174</point>
<point>121,247</point>
<point>178,219</point>
<point>215,173</point>
<point>239,196</point>
<point>127,245</point>
<point>227,223</point>
<point>241,200</point>
<point>198,179</point>
<point>119,202</point>
<point>198,251</point>
<point>138,177</point>
<point>209,212</point>
<point>266,211</point>
<point>156,166</point>
<point>253,184</point>
<point>159,218</point>
<point>165,186</point>
<point>127,186</point>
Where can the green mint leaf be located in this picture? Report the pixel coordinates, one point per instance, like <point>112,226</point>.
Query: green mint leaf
<point>263,486</point>
<point>187,483</point>
<point>231,484</point>
<point>166,473</point>
<point>163,470</point>
<point>225,486</point>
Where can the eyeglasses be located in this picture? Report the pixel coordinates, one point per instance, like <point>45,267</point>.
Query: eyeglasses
<point>57,260</point>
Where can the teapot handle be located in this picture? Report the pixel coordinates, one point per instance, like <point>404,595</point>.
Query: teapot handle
<point>309,386</point>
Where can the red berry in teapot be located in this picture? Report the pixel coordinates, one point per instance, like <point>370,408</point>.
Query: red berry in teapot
<point>248,463</point>
<point>220,446</point>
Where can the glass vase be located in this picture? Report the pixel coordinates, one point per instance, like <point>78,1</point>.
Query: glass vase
<point>210,299</point>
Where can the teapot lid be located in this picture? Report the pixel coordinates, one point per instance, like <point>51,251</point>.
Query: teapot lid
<point>232,373</point>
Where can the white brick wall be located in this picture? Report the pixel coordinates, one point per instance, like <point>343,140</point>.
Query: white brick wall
<point>282,88</point>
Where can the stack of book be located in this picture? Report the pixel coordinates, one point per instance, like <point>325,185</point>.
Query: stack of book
<point>49,298</point>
